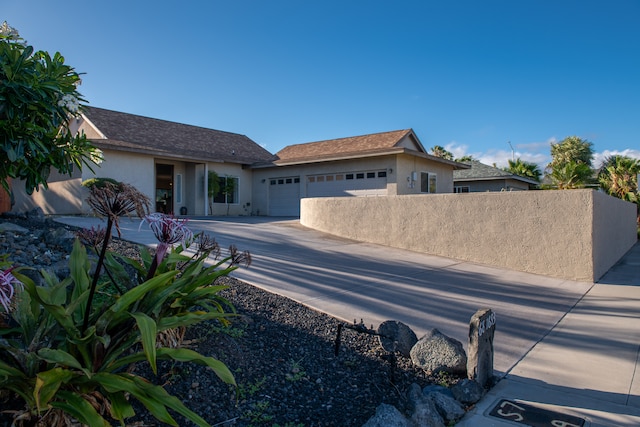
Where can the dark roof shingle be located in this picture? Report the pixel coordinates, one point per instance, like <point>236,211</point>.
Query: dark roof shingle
<point>130,132</point>
<point>377,142</point>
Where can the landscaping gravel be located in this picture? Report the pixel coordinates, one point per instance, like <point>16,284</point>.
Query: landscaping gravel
<point>282,354</point>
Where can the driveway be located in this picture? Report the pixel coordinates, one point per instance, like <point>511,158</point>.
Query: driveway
<point>360,281</point>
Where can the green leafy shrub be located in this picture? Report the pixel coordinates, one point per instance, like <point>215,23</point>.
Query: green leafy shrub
<point>66,354</point>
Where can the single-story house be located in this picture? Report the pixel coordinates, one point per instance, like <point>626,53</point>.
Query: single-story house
<point>381,164</point>
<point>170,163</point>
<point>480,177</point>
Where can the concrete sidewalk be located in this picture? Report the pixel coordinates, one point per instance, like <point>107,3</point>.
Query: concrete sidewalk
<point>584,368</point>
<point>565,346</point>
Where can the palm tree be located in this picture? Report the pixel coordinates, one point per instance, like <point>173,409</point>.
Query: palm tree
<point>571,149</point>
<point>467,158</point>
<point>619,177</point>
<point>570,175</point>
<point>440,151</point>
<point>526,169</point>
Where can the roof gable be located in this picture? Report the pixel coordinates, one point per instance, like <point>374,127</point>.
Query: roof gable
<point>129,132</point>
<point>351,146</point>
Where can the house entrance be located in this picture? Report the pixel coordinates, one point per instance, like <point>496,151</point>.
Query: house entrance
<point>164,188</point>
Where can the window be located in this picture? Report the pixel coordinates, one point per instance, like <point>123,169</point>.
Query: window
<point>227,190</point>
<point>360,175</point>
<point>178,188</point>
<point>427,182</point>
<point>462,189</point>
<point>349,176</point>
<point>382,174</point>
<point>371,174</point>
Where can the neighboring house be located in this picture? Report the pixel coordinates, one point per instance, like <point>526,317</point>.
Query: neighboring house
<point>169,162</point>
<point>480,177</point>
<point>381,164</point>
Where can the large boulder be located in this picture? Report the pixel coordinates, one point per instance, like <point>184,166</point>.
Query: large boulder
<point>396,336</point>
<point>435,352</point>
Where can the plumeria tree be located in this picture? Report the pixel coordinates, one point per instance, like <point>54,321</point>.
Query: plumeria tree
<point>38,96</point>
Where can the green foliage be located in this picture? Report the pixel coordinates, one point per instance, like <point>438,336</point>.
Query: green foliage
<point>67,351</point>
<point>570,166</point>
<point>99,182</point>
<point>38,96</point>
<point>50,363</point>
<point>571,175</point>
<point>440,151</point>
<point>525,169</point>
<point>466,159</point>
<point>571,149</point>
<point>619,177</point>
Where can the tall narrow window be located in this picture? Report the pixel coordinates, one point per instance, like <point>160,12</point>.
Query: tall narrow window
<point>178,188</point>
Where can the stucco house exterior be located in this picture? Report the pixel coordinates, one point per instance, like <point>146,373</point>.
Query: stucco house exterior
<point>169,162</point>
<point>165,160</point>
<point>480,177</point>
<point>381,164</point>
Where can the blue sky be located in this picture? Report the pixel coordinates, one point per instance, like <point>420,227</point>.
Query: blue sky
<point>472,76</point>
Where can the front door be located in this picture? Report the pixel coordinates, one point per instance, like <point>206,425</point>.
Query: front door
<point>164,188</point>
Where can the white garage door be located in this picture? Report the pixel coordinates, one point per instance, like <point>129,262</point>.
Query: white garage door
<point>368,183</point>
<point>284,196</point>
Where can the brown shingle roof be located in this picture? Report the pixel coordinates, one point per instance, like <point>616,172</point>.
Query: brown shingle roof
<point>343,147</point>
<point>129,132</point>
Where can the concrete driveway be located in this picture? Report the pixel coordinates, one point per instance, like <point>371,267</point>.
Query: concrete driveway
<point>353,281</point>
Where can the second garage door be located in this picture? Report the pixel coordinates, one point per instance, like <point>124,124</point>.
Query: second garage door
<point>367,183</point>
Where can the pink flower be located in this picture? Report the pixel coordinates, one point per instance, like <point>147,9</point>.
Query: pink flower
<point>168,230</point>
<point>8,284</point>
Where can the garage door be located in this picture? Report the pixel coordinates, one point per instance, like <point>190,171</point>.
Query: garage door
<point>367,183</point>
<point>284,196</point>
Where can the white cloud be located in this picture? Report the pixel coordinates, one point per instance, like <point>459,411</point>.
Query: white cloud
<point>598,158</point>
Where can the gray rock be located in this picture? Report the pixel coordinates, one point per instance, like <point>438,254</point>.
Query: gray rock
<point>467,391</point>
<point>60,237</point>
<point>424,412</point>
<point>396,336</point>
<point>449,408</point>
<point>8,226</point>
<point>387,416</point>
<point>436,352</point>
<point>435,388</point>
<point>36,214</point>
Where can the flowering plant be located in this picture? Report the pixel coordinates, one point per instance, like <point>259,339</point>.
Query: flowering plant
<point>66,355</point>
<point>39,94</point>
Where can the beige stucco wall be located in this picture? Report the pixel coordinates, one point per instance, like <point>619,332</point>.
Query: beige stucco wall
<point>399,169</point>
<point>62,197</point>
<point>577,234</point>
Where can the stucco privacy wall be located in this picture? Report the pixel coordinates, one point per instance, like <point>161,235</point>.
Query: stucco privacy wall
<point>577,234</point>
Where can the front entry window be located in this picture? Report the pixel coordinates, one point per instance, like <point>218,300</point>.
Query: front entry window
<point>227,190</point>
